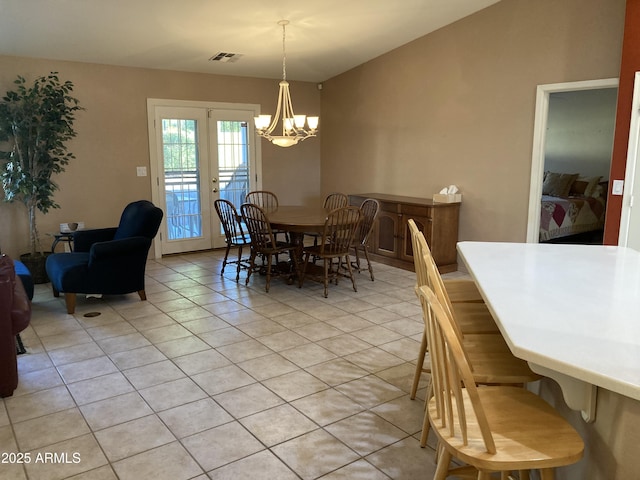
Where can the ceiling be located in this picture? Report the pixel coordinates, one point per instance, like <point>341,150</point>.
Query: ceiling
<point>324,37</point>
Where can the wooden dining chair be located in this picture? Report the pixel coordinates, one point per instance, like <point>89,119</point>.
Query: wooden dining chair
<point>234,234</point>
<point>335,200</point>
<point>268,201</point>
<point>331,202</point>
<point>370,208</point>
<point>265,199</point>
<point>488,428</point>
<point>339,229</point>
<point>263,242</point>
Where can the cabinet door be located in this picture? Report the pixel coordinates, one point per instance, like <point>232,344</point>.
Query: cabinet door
<point>387,234</point>
<point>424,225</point>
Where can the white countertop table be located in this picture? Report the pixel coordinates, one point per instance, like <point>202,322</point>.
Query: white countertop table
<point>571,311</point>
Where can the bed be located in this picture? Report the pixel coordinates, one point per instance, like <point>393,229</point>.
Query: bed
<point>571,205</point>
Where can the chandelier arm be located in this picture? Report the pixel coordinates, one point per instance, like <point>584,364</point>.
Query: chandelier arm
<point>288,111</point>
<point>276,117</point>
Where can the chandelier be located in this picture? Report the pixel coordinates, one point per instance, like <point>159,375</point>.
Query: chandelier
<point>293,126</point>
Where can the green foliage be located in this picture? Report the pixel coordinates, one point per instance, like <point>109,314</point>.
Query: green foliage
<point>36,121</point>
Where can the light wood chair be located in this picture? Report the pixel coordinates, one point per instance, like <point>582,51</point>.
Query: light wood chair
<point>459,290</point>
<point>489,355</point>
<point>476,318</point>
<point>339,229</point>
<point>492,360</point>
<point>489,428</point>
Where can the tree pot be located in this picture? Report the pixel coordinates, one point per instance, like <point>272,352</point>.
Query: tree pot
<point>36,265</point>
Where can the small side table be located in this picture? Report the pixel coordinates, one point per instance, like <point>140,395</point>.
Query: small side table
<point>62,237</point>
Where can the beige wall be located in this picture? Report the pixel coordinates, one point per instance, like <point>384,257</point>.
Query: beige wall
<point>112,140</point>
<point>457,106</point>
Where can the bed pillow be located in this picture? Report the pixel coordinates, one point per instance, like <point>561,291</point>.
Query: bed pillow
<point>600,190</point>
<point>584,186</point>
<point>558,184</point>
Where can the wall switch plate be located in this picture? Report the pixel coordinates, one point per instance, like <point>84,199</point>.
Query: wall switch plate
<point>142,171</point>
<point>618,187</point>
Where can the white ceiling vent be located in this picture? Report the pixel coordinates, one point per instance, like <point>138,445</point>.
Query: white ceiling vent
<point>225,57</point>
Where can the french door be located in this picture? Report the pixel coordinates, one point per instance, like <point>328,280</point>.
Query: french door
<point>199,153</point>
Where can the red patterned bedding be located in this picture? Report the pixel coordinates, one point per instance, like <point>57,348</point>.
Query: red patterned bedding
<point>560,217</point>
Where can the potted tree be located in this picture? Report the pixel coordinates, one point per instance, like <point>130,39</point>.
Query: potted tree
<point>36,121</point>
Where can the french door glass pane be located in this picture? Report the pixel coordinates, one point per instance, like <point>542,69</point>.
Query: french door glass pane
<point>233,161</point>
<point>182,178</point>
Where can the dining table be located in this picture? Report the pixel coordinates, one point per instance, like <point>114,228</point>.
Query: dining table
<point>298,220</point>
<point>570,311</point>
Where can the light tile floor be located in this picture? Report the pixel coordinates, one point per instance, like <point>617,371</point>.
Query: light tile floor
<point>210,378</point>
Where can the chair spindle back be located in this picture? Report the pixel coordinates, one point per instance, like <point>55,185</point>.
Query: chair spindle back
<point>266,200</point>
<point>454,388</point>
<point>257,222</point>
<point>335,200</point>
<point>339,230</point>
<point>229,218</point>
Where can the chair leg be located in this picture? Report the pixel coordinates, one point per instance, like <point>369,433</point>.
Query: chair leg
<point>356,248</point>
<point>252,265</point>
<point>442,470</point>
<point>303,270</point>
<point>366,255</point>
<point>239,263</point>
<point>226,255</point>
<point>20,346</point>
<point>269,260</point>
<point>326,277</point>
<point>70,300</point>
<point>425,427</point>
<point>353,278</point>
<point>547,474</point>
<point>142,294</point>
<point>419,365</point>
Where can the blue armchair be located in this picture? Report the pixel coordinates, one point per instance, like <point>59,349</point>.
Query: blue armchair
<point>108,261</point>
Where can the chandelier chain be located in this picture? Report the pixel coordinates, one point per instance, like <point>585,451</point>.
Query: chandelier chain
<point>284,53</point>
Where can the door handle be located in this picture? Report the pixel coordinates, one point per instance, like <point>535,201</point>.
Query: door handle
<point>215,190</point>
<point>214,180</point>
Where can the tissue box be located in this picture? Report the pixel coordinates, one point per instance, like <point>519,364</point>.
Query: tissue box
<point>447,197</point>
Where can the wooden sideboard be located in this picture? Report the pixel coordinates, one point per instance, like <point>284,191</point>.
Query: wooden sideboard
<point>390,241</point>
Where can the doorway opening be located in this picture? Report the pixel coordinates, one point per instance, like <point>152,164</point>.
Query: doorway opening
<point>573,139</point>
